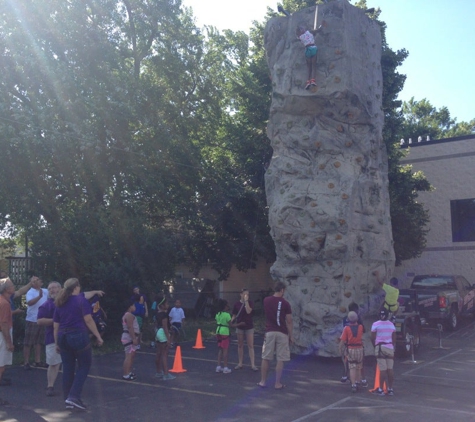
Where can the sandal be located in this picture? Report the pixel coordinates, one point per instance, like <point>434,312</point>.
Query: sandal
<point>238,367</point>
<point>255,368</point>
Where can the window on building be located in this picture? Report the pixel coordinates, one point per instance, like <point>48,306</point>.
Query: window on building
<point>463,220</point>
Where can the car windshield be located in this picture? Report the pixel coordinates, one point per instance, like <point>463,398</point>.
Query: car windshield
<point>433,281</point>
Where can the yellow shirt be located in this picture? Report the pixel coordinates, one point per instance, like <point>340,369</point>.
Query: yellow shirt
<point>392,295</point>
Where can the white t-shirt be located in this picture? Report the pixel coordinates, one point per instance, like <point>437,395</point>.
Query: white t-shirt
<point>307,38</point>
<point>176,315</point>
<point>32,311</point>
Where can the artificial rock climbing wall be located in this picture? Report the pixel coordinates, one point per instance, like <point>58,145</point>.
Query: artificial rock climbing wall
<point>327,186</point>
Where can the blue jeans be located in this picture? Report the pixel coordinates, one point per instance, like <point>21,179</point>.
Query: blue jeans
<point>75,347</point>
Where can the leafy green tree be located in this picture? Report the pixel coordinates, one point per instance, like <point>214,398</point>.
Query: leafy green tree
<point>127,149</point>
<point>421,118</point>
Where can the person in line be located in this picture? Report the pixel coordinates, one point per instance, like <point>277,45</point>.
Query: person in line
<point>45,319</point>
<point>243,321</point>
<point>141,309</point>
<point>351,343</point>
<point>162,340</point>
<point>7,291</point>
<point>177,318</point>
<point>15,309</point>
<point>383,337</point>
<point>130,340</point>
<point>391,294</point>
<point>278,316</point>
<point>223,318</point>
<point>34,333</point>
<point>71,321</point>
<point>355,308</point>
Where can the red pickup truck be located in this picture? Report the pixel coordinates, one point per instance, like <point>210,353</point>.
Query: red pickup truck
<point>444,298</point>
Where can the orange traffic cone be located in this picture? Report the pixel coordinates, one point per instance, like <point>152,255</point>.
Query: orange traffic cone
<point>376,381</point>
<point>177,364</point>
<point>199,342</point>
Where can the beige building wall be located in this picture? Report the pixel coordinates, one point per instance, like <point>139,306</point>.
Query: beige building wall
<point>449,165</point>
<point>255,280</point>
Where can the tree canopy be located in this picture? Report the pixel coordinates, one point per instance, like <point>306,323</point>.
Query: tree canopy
<point>133,141</point>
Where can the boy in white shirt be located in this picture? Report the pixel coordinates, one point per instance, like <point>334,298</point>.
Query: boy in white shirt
<point>177,316</point>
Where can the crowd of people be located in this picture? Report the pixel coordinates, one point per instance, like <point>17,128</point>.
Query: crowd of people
<point>61,319</point>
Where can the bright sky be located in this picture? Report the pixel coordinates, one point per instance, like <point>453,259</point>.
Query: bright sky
<point>439,35</point>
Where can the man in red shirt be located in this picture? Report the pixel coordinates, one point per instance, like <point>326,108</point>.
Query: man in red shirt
<point>278,334</point>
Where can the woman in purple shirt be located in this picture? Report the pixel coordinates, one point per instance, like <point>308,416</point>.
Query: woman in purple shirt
<point>71,321</point>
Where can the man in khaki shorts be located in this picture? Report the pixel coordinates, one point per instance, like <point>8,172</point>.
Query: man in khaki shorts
<point>278,334</point>
<point>45,318</point>
<point>383,336</point>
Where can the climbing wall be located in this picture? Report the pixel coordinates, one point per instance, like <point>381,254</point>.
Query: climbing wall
<point>327,186</point>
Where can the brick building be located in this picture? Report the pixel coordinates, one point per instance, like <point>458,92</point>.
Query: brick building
<point>449,165</point>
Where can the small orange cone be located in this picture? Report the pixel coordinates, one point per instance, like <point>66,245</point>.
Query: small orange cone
<point>199,342</point>
<point>376,381</point>
<point>177,364</point>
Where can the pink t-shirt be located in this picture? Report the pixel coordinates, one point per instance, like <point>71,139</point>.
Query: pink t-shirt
<point>384,331</point>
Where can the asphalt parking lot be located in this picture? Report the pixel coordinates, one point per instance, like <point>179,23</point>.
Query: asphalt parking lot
<point>439,387</point>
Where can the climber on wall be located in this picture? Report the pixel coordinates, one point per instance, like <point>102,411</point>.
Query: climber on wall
<point>308,40</point>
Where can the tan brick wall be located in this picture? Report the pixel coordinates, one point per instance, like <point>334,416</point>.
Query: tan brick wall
<point>255,280</point>
<point>450,168</point>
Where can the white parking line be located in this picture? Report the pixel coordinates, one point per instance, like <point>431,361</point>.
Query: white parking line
<point>431,362</point>
<point>368,403</point>
<point>324,409</point>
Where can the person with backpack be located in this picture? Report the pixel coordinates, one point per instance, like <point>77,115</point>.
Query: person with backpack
<point>352,339</point>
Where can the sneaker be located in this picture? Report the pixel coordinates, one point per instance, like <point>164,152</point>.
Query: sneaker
<point>312,82</point>
<point>307,85</point>
<point>77,403</point>
<point>159,374</point>
<point>129,377</point>
<point>219,369</point>
<point>364,383</point>
<point>168,377</point>
<point>390,392</point>
<point>344,379</point>
<point>27,366</point>
<point>379,392</point>
<point>354,388</point>
<point>226,370</point>
<point>50,392</point>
